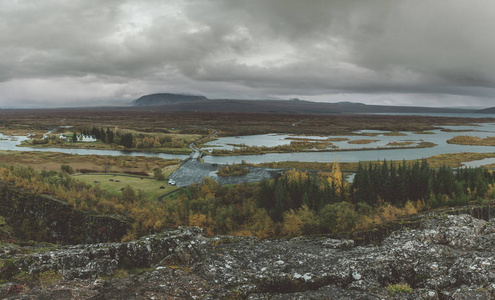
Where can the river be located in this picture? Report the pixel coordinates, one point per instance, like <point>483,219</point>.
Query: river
<point>439,137</point>
<point>12,142</point>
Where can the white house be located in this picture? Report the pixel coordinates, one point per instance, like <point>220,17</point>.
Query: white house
<point>86,138</point>
<point>80,138</point>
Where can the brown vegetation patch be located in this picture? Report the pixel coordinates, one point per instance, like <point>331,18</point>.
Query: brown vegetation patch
<point>472,140</point>
<point>232,170</point>
<point>399,144</point>
<point>151,120</point>
<point>100,163</point>
<point>335,139</point>
<point>394,133</point>
<point>362,141</point>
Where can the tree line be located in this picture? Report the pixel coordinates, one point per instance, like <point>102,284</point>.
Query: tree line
<point>397,183</point>
<point>302,203</point>
<point>109,136</point>
<point>134,140</point>
<point>291,204</point>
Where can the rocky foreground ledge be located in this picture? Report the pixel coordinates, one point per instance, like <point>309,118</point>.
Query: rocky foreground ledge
<point>446,257</point>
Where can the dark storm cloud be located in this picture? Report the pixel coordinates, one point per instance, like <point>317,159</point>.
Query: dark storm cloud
<point>81,50</point>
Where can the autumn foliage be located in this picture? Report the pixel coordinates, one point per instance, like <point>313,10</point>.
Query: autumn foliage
<point>294,203</point>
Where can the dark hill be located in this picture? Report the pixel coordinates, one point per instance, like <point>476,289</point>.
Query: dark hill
<point>298,106</point>
<point>181,102</point>
<point>490,110</point>
<point>165,99</point>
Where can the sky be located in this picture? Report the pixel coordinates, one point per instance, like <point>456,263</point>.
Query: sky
<point>108,52</point>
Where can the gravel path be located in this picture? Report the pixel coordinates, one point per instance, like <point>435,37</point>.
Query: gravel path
<point>193,171</point>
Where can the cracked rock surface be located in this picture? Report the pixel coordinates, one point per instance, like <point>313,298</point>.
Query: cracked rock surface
<point>446,257</point>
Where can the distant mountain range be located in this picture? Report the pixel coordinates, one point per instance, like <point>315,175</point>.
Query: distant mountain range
<point>166,99</point>
<point>178,102</point>
<point>490,110</point>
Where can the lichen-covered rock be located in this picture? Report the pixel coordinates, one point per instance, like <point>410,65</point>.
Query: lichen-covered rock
<point>445,257</point>
<point>440,255</point>
<point>91,261</point>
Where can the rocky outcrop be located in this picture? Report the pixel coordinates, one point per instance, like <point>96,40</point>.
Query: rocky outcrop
<point>96,260</point>
<point>43,218</point>
<point>445,257</point>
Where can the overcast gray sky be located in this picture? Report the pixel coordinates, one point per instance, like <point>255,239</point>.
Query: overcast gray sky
<point>92,52</point>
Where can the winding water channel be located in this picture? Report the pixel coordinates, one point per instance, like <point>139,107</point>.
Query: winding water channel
<point>12,142</point>
<point>439,137</point>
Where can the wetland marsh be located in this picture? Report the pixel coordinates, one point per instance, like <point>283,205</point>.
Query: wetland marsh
<point>287,138</point>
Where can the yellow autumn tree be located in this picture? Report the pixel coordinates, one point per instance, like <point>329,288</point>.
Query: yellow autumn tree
<point>295,176</point>
<point>292,224</point>
<point>197,220</point>
<point>208,187</point>
<point>262,226</point>
<point>337,179</point>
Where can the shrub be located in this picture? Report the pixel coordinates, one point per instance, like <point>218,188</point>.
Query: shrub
<point>293,224</point>
<point>15,289</point>
<point>49,277</point>
<point>66,169</point>
<point>7,269</point>
<point>399,288</point>
<point>158,173</point>
<point>338,217</point>
<point>85,171</point>
<point>139,173</point>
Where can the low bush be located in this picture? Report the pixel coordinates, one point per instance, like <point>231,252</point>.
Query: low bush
<point>232,170</point>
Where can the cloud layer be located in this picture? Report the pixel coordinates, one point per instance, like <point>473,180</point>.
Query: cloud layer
<point>55,52</point>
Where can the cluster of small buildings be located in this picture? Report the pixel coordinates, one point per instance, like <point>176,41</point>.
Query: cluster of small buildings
<point>80,138</point>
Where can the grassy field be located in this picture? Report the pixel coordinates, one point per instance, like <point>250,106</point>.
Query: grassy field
<point>455,160</point>
<point>121,164</point>
<point>150,186</point>
<point>472,140</point>
<point>452,160</point>
<point>150,121</point>
<point>118,164</point>
<point>315,147</point>
<point>59,143</point>
<point>362,141</point>
<point>399,144</point>
<point>70,145</point>
<point>306,165</point>
<point>394,133</point>
<point>104,146</point>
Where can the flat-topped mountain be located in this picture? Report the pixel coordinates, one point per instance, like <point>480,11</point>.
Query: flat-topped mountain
<point>166,98</point>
